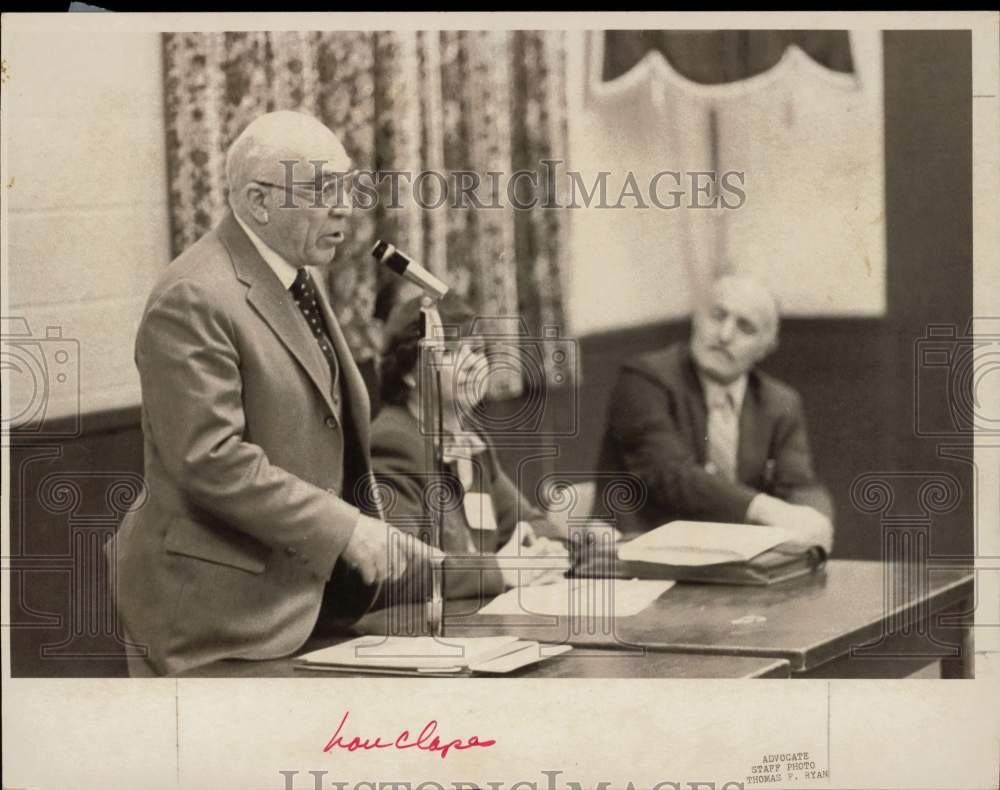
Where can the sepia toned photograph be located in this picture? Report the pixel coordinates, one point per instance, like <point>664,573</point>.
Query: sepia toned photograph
<point>347,359</point>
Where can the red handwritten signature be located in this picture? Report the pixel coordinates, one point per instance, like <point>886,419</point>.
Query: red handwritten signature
<point>426,741</point>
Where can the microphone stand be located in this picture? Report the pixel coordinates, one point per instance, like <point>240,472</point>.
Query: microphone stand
<point>432,347</point>
<point>432,421</point>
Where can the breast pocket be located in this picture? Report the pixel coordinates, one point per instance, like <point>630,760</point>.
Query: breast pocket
<point>220,545</point>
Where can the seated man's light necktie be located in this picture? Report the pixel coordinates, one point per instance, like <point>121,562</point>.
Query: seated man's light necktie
<point>723,434</point>
<point>307,299</point>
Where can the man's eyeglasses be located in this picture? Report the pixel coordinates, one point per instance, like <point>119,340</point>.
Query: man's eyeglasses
<point>335,193</point>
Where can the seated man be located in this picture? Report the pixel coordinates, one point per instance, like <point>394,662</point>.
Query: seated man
<point>711,437</point>
<point>484,516</point>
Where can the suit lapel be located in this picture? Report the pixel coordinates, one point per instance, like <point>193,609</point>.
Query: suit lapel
<point>354,385</point>
<point>275,305</point>
<point>696,406</point>
<point>754,436</point>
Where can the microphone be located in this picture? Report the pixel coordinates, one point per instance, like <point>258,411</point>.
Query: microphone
<point>408,269</point>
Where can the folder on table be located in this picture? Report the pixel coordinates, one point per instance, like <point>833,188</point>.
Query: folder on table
<point>429,657</point>
<point>707,551</point>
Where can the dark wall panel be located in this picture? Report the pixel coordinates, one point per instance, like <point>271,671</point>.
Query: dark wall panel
<point>68,498</point>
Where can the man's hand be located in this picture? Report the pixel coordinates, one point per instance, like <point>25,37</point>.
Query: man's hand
<point>812,528</point>
<point>808,525</point>
<point>524,543</point>
<point>590,531</point>
<point>379,551</point>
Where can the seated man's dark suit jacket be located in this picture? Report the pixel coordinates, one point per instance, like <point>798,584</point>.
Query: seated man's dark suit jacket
<point>405,475</point>
<point>251,476</point>
<point>657,431</point>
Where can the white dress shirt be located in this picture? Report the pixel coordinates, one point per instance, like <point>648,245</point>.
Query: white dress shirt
<point>282,269</point>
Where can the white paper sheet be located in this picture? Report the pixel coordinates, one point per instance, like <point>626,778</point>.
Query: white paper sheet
<point>417,652</point>
<point>584,597</point>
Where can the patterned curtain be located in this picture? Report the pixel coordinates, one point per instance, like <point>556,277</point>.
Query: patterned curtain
<point>482,101</point>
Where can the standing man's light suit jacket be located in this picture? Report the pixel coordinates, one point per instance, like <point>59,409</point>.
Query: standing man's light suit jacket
<point>251,475</point>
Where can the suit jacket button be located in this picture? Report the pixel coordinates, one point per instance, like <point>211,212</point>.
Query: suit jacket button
<point>290,551</point>
<point>331,422</point>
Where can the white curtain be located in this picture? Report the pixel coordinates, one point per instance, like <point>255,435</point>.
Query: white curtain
<point>810,142</point>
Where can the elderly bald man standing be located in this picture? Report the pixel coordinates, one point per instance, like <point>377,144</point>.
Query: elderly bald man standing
<point>712,437</point>
<point>255,422</point>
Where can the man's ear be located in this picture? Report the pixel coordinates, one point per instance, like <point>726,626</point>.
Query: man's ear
<point>410,381</point>
<point>255,198</point>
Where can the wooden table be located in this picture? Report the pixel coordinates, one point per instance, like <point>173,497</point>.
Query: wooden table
<point>853,619</point>
<point>575,664</point>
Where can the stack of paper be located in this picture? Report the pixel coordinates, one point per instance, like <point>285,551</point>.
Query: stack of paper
<point>692,543</point>
<point>427,655</point>
<point>705,551</point>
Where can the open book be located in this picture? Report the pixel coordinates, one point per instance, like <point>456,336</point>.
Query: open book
<point>709,552</point>
<point>425,655</point>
